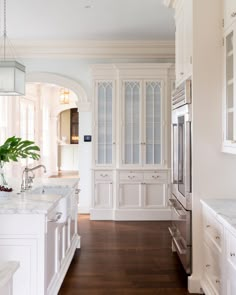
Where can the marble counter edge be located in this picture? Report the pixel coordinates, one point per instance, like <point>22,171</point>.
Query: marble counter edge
<point>227,221</point>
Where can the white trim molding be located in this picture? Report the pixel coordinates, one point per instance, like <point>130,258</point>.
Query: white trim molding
<point>82,102</point>
<point>95,49</point>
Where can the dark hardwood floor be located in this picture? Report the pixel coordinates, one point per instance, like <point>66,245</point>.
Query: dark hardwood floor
<point>124,258</point>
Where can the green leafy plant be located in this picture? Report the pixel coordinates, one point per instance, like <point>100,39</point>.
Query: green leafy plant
<point>15,148</point>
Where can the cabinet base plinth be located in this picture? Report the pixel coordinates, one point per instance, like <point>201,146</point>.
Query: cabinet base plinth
<point>130,214</point>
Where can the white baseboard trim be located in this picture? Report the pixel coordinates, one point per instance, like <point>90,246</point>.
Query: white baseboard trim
<point>194,285</point>
<point>83,210</point>
<point>142,214</point>
<point>55,285</point>
<point>130,214</point>
<point>101,214</point>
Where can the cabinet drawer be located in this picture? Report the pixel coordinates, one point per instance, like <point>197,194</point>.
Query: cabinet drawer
<point>103,175</point>
<point>211,268</point>
<point>231,249</point>
<point>131,176</point>
<point>156,176</point>
<point>212,230</point>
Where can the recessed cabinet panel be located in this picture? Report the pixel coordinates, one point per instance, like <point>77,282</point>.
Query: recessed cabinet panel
<point>130,195</point>
<point>154,195</point>
<point>103,195</point>
<point>104,122</point>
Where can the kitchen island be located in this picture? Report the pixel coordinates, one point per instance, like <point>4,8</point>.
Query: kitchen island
<point>39,229</point>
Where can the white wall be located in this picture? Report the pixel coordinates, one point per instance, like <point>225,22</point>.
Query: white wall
<point>85,162</point>
<point>213,171</point>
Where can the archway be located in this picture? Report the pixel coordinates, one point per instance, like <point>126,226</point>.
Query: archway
<point>84,107</point>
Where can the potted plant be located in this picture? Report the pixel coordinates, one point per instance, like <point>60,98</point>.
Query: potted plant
<point>15,148</point>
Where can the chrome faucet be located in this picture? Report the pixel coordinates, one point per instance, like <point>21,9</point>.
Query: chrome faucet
<point>28,180</point>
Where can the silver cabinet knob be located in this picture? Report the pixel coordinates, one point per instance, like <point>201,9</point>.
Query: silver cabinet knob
<point>217,238</point>
<point>232,254</point>
<point>208,265</point>
<point>217,281</point>
<point>207,226</point>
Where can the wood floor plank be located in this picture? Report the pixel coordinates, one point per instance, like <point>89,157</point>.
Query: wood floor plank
<point>124,258</point>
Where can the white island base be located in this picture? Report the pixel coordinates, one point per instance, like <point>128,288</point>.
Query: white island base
<point>40,231</point>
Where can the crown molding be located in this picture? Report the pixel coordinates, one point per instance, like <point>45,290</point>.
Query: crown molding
<point>95,49</point>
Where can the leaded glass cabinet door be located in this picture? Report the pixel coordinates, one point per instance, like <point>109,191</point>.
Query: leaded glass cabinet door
<point>104,123</point>
<point>153,123</point>
<point>131,123</point>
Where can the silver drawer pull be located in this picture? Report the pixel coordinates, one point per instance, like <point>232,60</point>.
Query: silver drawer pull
<point>232,254</point>
<point>103,175</point>
<point>208,265</point>
<point>207,226</point>
<point>179,246</point>
<point>217,238</point>
<point>233,14</point>
<point>58,217</point>
<point>155,176</point>
<point>77,191</point>
<point>217,281</point>
<point>172,231</point>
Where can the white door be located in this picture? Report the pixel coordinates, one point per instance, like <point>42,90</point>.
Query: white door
<point>155,195</point>
<point>130,195</point>
<point>103,195</point>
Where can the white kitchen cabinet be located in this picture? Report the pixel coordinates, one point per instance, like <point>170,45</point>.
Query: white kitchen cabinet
<point>213,237</point>
<point>142,123</point>
<point>219,253</point>
<point>103,195</point>
<point>229,95</point>
<point>229,12</point>
<point>130,195</point>
<point>40,242</point>
<point>104,121</point>
<point>230,253</point>
<point>155,195</point>
<point>135,97</point>
<point>183,38</point>
<point>142,189</point>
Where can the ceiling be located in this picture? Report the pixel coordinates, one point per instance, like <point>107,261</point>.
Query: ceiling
<point>89,20</point>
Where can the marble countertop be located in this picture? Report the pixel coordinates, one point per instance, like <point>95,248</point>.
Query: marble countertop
<point>224,210</point>
<point>7,269</point>
<point>32,203</point>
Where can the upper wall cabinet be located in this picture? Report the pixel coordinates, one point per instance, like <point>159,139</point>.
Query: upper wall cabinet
<point>229,95</point>
<point>142,125</point>
<point>183,37</point>
<point>104,123</point>
<point>229,12</point>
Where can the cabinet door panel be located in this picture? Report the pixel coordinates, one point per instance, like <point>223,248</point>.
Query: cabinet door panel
<point>153,118</point>
<point>104,123</point>
<point>155,195</point>
<point>103,195</point>
<point>132,121</point>
<point>50,252</point>
<point>130,195</point>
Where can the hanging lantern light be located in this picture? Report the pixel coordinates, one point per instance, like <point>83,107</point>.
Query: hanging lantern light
<point>64,96</point>
<point>12,73</point>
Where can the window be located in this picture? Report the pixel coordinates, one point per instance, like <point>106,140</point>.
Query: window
<point>3,118</point>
